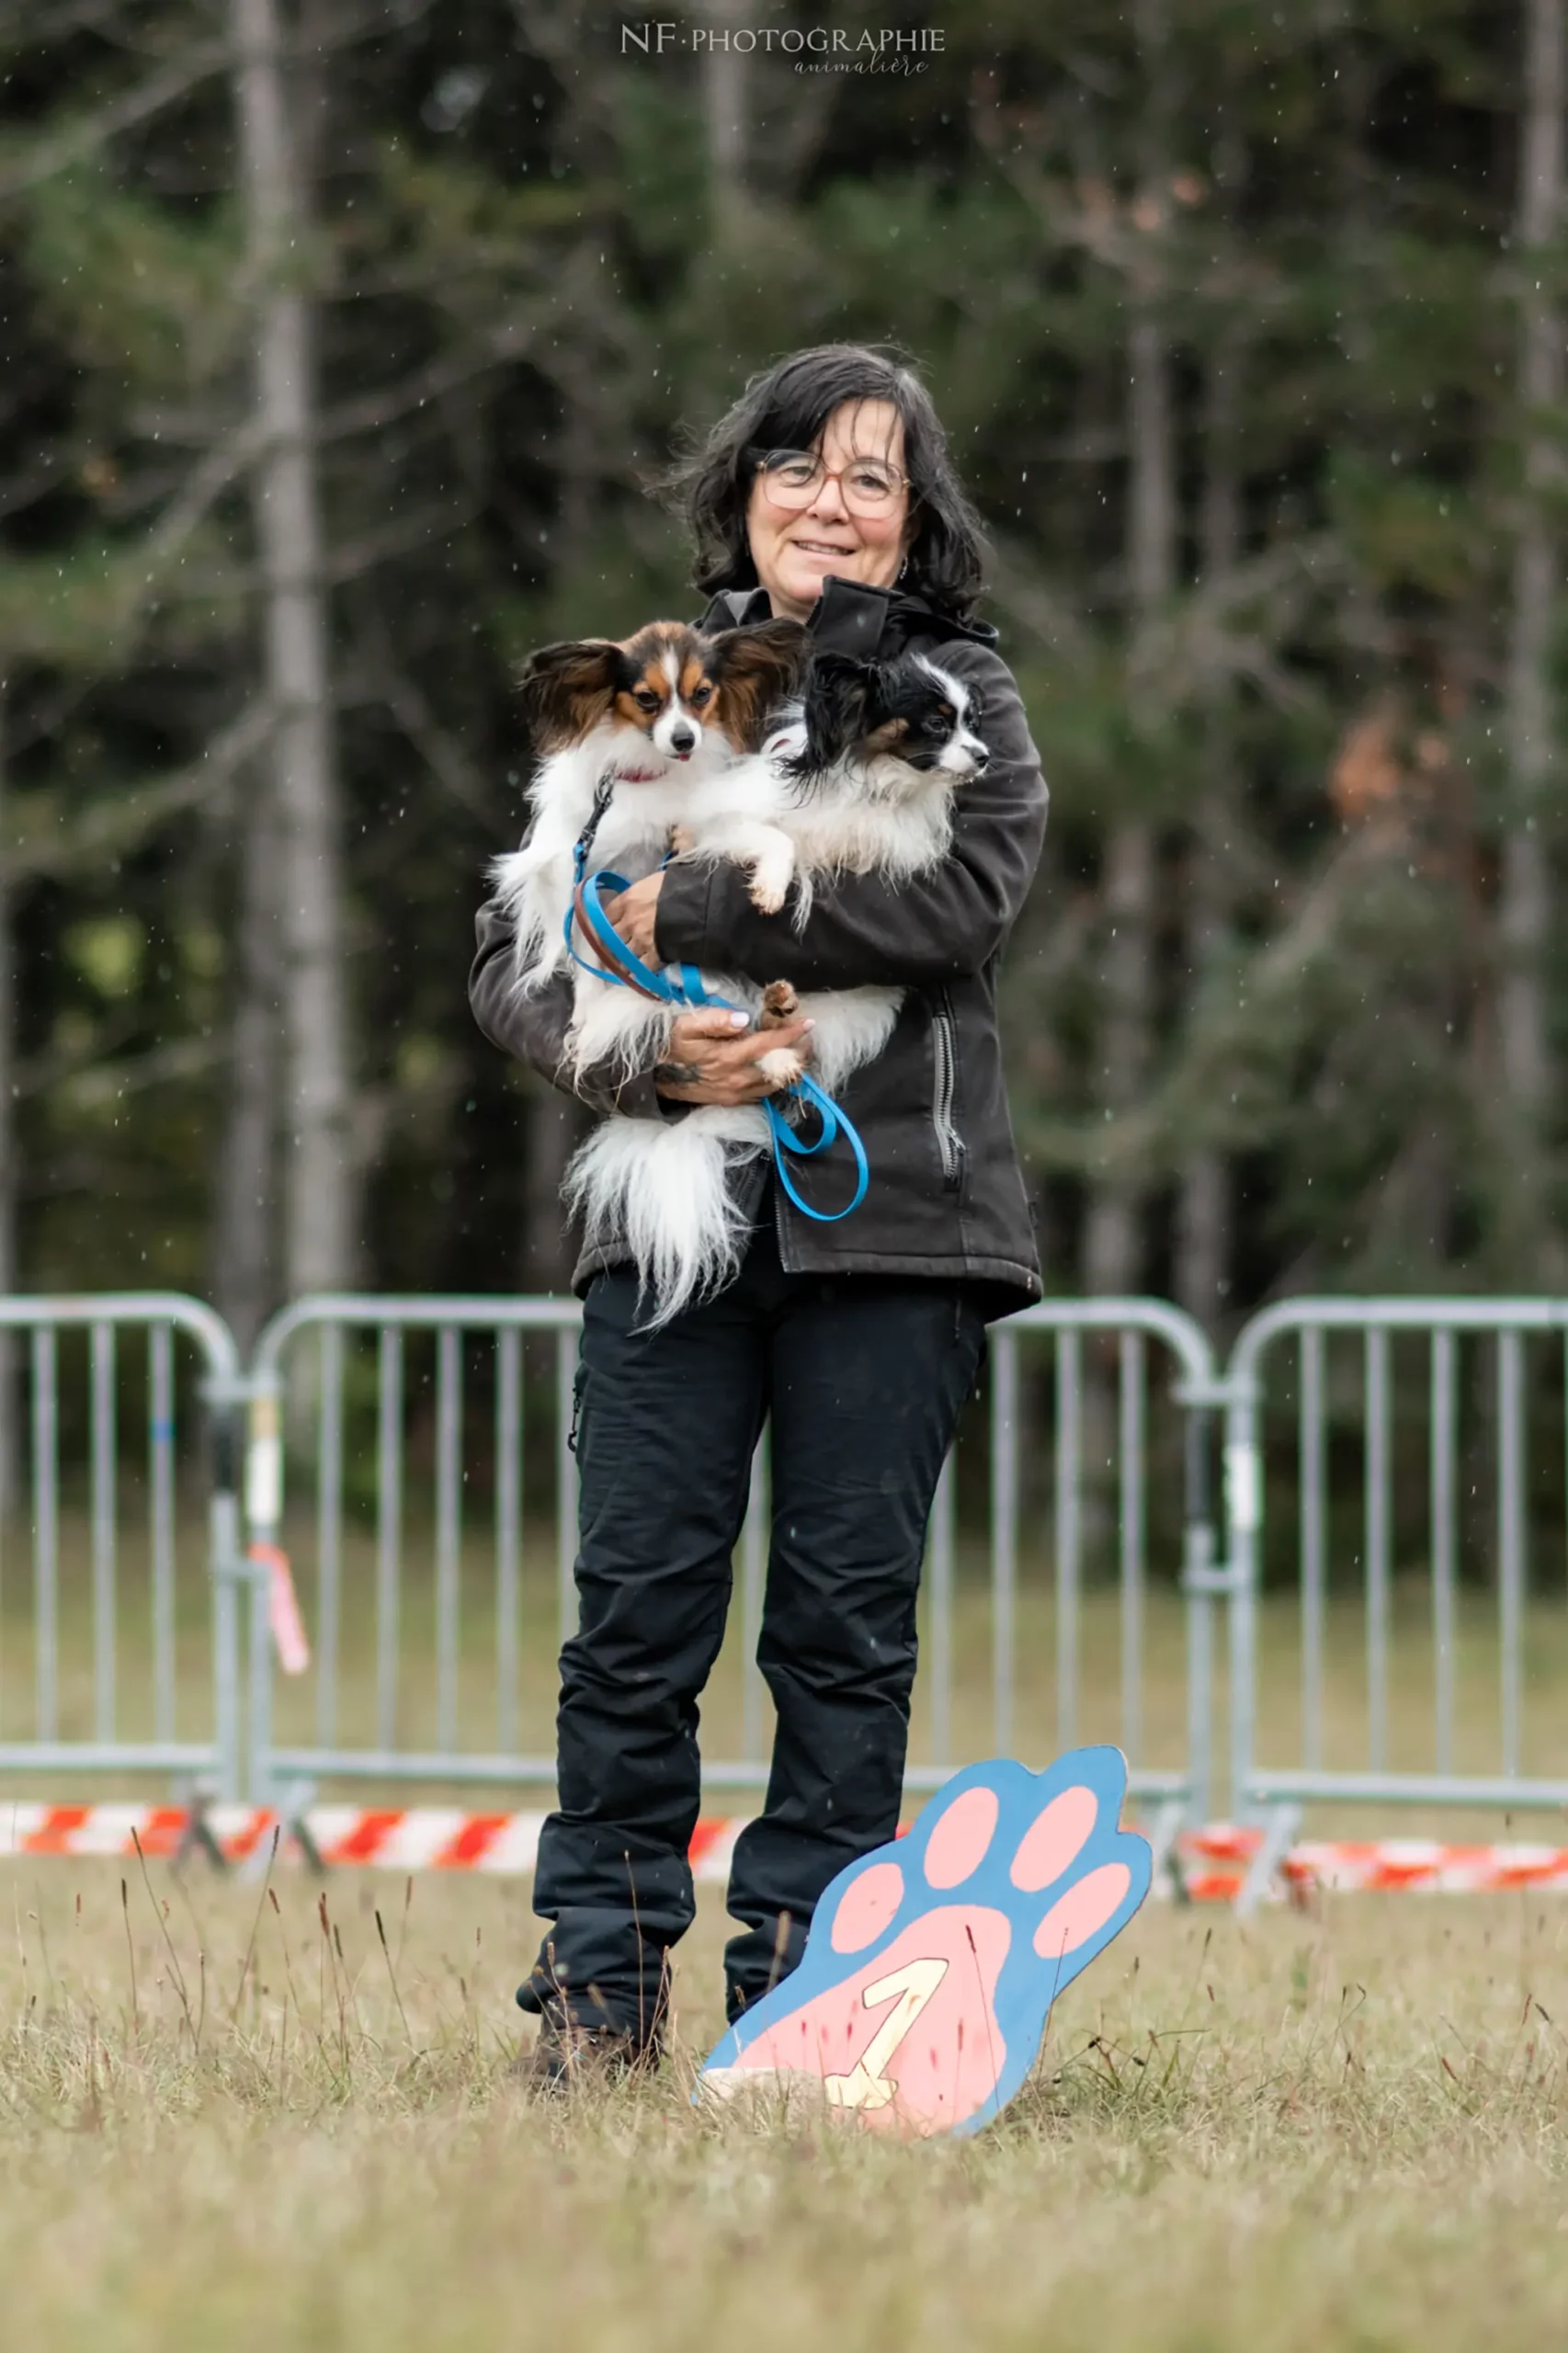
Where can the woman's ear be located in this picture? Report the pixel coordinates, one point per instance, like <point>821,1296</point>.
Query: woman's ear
<point>566,689</point>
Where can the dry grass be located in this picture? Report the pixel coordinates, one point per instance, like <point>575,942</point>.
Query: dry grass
<point>227,2122</point>
<point>1343,2131</point>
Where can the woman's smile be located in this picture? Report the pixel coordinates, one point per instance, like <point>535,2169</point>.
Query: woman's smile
<point>828,555</point>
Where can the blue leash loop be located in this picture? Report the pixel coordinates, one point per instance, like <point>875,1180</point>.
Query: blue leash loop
<point>682,984</point>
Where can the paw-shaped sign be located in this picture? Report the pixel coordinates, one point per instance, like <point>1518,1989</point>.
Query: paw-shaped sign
<point>932,1964</point>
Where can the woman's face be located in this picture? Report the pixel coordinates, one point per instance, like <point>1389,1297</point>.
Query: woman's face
<point>794,551</point>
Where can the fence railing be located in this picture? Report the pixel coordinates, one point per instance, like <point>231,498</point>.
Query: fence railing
<point>1391,1467</point>
<point>337,1395</point>
<point>433,1529</point>
<point>1397,1598</point>
<point>115,1645</point>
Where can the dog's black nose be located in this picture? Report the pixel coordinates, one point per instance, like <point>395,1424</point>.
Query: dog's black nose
<point>982,758</point>
<point>682,738</point>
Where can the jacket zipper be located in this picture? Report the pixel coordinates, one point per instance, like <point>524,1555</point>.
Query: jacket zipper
<point>944,1058</point>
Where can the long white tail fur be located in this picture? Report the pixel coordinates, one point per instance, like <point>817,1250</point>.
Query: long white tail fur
<point>662,1189</point>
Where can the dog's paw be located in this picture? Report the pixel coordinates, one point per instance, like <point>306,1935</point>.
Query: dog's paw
<point>770,884</point>
<point>781,1066</point>
<point>933,1963</point>
<point>779,1004</point>
<point>683,841</point>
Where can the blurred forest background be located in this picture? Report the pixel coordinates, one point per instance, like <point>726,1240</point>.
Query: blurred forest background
<point>340,340</point>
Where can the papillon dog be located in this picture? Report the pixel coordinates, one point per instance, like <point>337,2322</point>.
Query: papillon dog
<point>858,777</point>
<point>648,724</point>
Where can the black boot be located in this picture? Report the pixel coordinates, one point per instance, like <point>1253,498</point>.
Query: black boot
<point>567,2057</point>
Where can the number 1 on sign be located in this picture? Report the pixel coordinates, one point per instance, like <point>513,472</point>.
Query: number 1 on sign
<point>909,1988</point>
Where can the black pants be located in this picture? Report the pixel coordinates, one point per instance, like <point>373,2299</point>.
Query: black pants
<point>864,1376</point>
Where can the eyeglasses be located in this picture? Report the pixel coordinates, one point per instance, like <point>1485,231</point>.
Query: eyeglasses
<point>792,479</point>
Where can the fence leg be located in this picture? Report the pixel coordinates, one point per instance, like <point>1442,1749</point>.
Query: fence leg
<point>1243,1519</point>
<point>229,1574</point>
<point>1198,1583</point>
<point>1166,1859</point>
<point>291,1810</point>
<point>294,1803</point>
<point>198,1837</point>
<point>1280,1829</point>
<point>264,1513</point>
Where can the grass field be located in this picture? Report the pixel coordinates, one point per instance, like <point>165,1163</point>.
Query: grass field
<point>228,2119</point>
<point>221,2125</point>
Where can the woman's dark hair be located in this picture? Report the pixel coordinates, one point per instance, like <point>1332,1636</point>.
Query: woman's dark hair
<point>785,408</point>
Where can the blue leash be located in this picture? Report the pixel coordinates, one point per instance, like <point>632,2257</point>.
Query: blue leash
<point>682,984</point>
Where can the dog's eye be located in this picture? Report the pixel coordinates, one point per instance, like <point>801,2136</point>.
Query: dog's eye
<point>700,696</point>
<point>645,698</point>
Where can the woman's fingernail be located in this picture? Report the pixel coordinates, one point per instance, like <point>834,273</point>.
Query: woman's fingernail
<point>810,1027</point>
<point>740,1021</point>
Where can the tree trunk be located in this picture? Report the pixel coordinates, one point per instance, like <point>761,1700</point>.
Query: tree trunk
<point>1204,1207</point>
<point>1525,910</point>
<point>726,104</point>
<point>319,1197</point>
<point>244,1283</point>
<point>1114,1238</point>
<point>1113,1234</point>
<point>8,1186</point>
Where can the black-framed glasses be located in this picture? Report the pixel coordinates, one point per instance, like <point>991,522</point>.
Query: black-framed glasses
<point>792,479</point>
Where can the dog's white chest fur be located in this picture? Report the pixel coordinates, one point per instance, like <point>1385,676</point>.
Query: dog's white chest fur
<point>631,837</point>
<point>876,816</point>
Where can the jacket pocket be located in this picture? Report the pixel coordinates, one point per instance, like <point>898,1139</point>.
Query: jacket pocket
<point>944,1086</point>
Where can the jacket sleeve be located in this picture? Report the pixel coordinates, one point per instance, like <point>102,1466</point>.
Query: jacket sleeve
<point>532,1027</point>
<point>863,931</point>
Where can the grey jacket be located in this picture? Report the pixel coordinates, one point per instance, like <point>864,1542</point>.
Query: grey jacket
<point>946,1196</point>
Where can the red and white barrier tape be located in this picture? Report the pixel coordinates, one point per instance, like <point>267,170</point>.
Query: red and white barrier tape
<point>404,1838</point>
<point>1424,1866</point>
<point>415,1839</point>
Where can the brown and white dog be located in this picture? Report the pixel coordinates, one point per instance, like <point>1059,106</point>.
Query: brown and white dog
<point>658,720</point>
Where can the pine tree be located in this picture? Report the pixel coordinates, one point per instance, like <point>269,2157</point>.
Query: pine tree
<point>1524,913</point>
<point>306,891</point>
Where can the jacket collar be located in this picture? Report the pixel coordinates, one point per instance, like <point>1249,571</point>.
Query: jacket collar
<point>849,618</point>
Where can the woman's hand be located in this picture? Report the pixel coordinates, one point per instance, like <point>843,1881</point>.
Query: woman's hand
<point>714,1057</point>
<point>633,914</point>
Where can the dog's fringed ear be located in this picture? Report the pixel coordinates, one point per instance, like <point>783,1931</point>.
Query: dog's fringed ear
<point>566,689</point>
<point>838,711</point>
<point>758,668</point>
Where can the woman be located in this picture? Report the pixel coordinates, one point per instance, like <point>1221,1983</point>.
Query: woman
<point>861,1338</point>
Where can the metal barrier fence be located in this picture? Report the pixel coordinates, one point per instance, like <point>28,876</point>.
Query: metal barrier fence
<point>1432,1400</point>
<point>1390,1655</point>
<point>435,1652</point>
<point>95,1669</point>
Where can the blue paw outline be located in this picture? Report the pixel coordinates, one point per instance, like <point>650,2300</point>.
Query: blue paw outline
<point>1028,1982</point>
